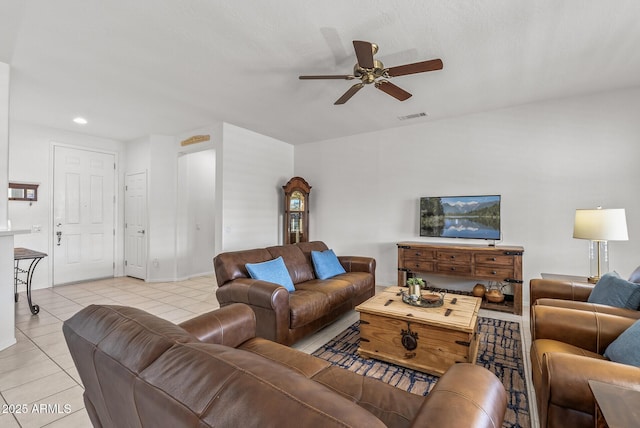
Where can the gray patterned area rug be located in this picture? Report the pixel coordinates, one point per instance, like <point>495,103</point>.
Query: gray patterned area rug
<point>499,350</point>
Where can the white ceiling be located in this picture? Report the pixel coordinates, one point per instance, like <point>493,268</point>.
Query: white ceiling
<point>140,67</point>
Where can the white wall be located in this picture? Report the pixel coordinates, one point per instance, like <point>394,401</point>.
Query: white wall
<point>7,321</point>
<point>255,168</point>
<point>4,141</point>
<point>545,159</point>
<point>30,160</point>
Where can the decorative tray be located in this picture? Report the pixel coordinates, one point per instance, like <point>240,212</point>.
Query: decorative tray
<point>431,300</point>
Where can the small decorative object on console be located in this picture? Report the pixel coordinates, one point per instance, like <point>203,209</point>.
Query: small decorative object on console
<point>494,294</point>
<point>479,290</point>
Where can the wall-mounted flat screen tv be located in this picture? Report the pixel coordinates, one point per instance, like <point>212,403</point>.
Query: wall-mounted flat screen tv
<point>471,217</point>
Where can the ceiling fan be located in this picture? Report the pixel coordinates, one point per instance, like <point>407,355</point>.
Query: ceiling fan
<point>370,70</point>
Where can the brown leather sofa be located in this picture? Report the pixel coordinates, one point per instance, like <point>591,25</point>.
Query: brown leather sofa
<point>139,370</point>
<point>285,317</point>
<point>566,352</point>
<point>574,295</point>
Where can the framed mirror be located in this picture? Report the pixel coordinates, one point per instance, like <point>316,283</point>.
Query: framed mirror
<point>23,192</point>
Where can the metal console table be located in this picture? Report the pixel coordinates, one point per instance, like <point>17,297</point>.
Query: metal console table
<point>20,254</point>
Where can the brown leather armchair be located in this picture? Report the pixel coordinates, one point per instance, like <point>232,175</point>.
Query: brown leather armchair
<point>574,295</point>
<point>566,352</point>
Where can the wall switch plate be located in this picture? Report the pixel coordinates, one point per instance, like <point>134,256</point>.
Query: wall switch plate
<point>36,228</point>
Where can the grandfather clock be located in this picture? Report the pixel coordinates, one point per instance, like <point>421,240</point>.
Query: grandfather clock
<point>296,211</point>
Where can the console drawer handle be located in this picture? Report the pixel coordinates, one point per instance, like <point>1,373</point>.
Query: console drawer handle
<point>453,268</point>
<point>493,259</point>
<point>453,257</point>
<point>493,272</point>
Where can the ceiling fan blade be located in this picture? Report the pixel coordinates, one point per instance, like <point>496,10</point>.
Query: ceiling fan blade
<point>416,67</point>
<point>351,92</point>
<point>393,90</point>
<point>364,53</point>
<point>331,76</point>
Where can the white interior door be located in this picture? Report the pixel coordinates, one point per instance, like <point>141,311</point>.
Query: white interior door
<point>84,215</point>
<point>135,225</point>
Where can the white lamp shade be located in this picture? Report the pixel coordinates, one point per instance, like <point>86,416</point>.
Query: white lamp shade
<point>601,225</point>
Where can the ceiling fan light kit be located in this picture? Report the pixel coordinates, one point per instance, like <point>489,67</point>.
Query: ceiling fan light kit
<point>370,70</point>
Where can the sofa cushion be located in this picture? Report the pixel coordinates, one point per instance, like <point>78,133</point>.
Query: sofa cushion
<point>326,264</point>
<point>626,348</point>
<point>361,282</point>
<point>336,290</point>
<point>307,306</point>
<point>613,290</point>
<point>298,265</point>
<point>272,271</point>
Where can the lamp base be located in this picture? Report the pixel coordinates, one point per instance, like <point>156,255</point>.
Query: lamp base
<point>593,279</point>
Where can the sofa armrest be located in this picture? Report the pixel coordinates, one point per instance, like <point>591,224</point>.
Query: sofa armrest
<point>559,371</point>
<point>269,301</point>
<point>466,395</point>
<point>229,326</point>
<point>555,289</point>
<point>253,292</point>
<point>592,307</point>
<point>592,331</point>
<point>358,264</point>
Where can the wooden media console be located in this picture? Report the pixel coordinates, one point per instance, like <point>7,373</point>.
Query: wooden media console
<point>494,263</point>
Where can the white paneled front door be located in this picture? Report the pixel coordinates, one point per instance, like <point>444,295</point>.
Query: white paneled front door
<point>83,215</point>
<point>135,225</point>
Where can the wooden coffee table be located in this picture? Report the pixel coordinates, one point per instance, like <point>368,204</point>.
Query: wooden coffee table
<point>425,339</point>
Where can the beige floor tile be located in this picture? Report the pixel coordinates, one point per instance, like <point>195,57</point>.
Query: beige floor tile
<point>28,373</point>
<point>41,330</point>
<point>79,419</point>
<point>8,421</point>
<point>52,408</point>
<point>39,389</point>
<point>22,359</point>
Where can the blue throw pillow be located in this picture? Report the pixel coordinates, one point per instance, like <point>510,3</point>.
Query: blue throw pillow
<point>613,290</point>
<point>326,264</point>
<point>626,348</point>
<point>272,271</point>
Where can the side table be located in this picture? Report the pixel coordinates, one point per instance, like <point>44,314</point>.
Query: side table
<point>616,406</point>
<point>20,254</point>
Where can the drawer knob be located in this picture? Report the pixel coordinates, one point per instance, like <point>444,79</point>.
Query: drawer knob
<point>493,259</point>
<point>453,268</point>
<point>493,272</point>
<point>453,257</point>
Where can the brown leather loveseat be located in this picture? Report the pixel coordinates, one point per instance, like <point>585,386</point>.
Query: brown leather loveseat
<point>286,317</point>
<point>139,370</point>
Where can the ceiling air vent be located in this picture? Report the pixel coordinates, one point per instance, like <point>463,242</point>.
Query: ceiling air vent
<point>412,116</point>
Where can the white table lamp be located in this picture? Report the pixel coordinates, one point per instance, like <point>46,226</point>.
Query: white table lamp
<point>599,226</point>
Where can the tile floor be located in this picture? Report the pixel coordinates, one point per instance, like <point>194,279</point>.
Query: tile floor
<point>37,373</point>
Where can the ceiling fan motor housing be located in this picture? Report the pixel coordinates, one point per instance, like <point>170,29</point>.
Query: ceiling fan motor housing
<point>369,75</point>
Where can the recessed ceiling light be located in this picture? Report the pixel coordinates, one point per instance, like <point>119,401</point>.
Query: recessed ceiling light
<point>80,120</point>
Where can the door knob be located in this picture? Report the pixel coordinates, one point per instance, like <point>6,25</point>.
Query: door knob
<point>59,234</point>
